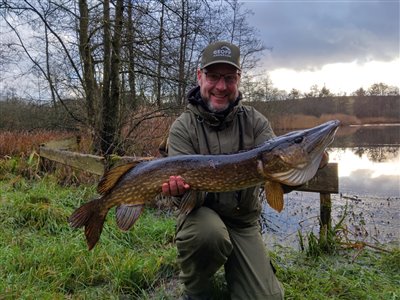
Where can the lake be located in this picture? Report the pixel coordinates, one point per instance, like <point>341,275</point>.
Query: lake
<point>368,160</point>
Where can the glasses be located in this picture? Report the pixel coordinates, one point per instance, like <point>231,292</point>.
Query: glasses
<point>213,77</point>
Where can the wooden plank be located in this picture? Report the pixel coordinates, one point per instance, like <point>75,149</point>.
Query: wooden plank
<point>325,181</point>
<point>71,143</point>
<point>87,162</point>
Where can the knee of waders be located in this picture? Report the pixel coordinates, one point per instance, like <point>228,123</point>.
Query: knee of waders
<point>214,239</point>
<point>204,232</point>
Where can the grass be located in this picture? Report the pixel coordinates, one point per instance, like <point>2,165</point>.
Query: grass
<point>372,276</point>
<point>43,258</point>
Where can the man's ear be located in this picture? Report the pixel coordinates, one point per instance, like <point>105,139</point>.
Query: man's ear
<point>199,73</point>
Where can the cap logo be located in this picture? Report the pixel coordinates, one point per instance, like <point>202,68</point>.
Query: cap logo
<point>223,51</point>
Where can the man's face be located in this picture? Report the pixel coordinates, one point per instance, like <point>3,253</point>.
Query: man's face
<point>216,90</point>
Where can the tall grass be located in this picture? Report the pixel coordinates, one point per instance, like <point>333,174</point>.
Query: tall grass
<point>23,143</point>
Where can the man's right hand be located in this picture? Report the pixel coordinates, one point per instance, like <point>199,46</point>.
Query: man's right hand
<point>175,186</point>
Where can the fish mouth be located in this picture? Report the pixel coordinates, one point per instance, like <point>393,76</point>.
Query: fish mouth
<point>320,137</point>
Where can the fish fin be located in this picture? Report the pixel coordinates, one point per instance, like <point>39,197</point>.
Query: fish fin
<point>90,216</point>
<point>110,178</point>
<point>127,215</point>
<point>188,202</point>
<point>274,195</point>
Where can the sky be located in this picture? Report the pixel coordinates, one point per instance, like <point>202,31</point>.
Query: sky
<point>342,45</point>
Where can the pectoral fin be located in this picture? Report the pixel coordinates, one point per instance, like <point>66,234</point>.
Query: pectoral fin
<point>274,195</point>
<point>189,202</point>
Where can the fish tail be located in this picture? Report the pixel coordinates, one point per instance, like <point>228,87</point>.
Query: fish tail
<point>91,216</point>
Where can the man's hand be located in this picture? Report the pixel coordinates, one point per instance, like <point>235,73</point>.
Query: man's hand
<point>324,160</point>
<point>176,186</point>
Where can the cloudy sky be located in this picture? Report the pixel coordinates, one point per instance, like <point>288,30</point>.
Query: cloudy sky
<point>343,45</point>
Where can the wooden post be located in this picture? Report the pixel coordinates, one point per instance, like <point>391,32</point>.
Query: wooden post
<point>325,210</point>
<point>325,182</point>
<point>325,222</point>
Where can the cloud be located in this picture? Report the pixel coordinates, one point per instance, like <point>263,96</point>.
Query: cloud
<point>310,34</point>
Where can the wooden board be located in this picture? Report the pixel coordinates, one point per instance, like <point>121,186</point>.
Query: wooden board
<point>71,143</point>
<point>87,162</point>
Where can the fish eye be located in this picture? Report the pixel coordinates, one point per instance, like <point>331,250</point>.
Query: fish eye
<point>298,140</point>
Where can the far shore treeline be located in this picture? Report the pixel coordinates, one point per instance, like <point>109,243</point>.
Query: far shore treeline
<point>350,110</point>
<point>18,114</point>
<point>33,123</point>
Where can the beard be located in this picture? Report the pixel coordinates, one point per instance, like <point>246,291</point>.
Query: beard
<point>214,109</point>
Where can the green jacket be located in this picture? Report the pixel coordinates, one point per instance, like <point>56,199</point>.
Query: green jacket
<point>241,127</point>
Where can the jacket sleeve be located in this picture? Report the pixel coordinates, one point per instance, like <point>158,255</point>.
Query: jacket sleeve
<point>179,141</point>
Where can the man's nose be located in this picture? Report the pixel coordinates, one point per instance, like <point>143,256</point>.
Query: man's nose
<point>221,84</point>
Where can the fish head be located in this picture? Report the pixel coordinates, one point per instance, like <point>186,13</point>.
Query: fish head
<point>294,158</point>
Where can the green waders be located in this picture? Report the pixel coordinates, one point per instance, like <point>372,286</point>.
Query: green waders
<point>205,244</point>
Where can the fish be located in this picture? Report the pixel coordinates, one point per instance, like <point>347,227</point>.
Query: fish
<point>291,159</point>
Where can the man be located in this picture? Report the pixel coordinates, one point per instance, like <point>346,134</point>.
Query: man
<point>224,231</point>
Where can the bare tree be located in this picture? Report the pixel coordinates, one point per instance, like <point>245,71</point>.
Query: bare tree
<point>89,82</point>
<point>378,89</point>
<point>294,94</point>
<point>360,92</point>
<point>111,84</point>
<point>239,31</point>
<point>325,92</point>
<point>160,54</point>
<point>313,93</point>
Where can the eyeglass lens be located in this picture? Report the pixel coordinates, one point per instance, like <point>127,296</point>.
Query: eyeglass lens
<point>215,77</point>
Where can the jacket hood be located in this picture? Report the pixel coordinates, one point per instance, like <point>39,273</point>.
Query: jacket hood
<point>217,120</point>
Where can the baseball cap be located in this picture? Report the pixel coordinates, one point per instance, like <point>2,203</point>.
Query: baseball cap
<point>221,52</point>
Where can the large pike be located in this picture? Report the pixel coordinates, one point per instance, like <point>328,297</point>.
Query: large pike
<point>290,159</point>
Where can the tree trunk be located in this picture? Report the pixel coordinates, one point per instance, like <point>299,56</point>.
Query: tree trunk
<point>160,43</point>
<point>182,53</point>
<point>89,82</point>
<point>131,60</point>
<point>110,134</point>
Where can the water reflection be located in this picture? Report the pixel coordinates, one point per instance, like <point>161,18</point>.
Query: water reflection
<point>369,160</point>
<point>368,136</point>
<point>368,171</point>
<point>377,154</point>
